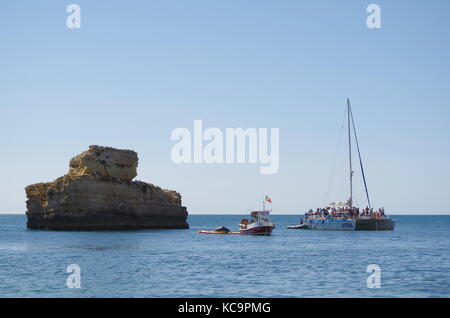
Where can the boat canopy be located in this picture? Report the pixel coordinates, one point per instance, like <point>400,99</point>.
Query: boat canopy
<point>341,203</point>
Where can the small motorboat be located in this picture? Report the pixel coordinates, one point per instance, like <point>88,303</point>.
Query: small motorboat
<point>297,227</point>
<point>259,224</point>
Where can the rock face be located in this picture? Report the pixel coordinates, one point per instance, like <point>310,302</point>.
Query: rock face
<point>98,194</point>
<point>105,161</point>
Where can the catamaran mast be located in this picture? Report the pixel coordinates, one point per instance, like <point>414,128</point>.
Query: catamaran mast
<point>360,160</point>
<point>350,200</point>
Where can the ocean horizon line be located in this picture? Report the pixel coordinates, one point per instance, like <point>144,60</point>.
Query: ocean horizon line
<point>281,214</point>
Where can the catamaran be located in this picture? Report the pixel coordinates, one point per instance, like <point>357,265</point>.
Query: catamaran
<point>344,216</point>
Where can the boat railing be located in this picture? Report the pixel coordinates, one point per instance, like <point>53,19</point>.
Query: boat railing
<point>344,216</point>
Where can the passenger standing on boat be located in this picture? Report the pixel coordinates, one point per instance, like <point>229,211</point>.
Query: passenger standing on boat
<point>382,212</point>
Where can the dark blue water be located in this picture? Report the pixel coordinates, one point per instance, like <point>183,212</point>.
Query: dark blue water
<point>414,261</point>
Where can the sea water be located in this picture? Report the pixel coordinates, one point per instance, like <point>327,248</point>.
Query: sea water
<point>414,261</point>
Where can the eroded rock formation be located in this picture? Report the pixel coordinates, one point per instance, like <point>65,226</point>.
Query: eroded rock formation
<point>98,194</point>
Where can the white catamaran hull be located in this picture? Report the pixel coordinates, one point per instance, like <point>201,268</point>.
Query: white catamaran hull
<point>331,225</point>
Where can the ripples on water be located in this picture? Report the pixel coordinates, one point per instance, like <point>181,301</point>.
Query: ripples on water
<point>415,261</point>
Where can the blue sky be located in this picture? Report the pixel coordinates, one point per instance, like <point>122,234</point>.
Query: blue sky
<point>136,70</point>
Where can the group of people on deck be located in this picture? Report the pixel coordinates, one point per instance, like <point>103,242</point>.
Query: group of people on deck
<point>244,222</point>
<point>344,213</point>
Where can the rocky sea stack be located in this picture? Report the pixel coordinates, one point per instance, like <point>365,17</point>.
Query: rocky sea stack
<point>98,194</point>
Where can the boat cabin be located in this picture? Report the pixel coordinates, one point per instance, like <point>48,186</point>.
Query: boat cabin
<point>259,216</point>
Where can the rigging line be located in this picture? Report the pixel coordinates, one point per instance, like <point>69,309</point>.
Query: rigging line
<point>359,193</point>
<point>360,160</point>
<point>333,171</point>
